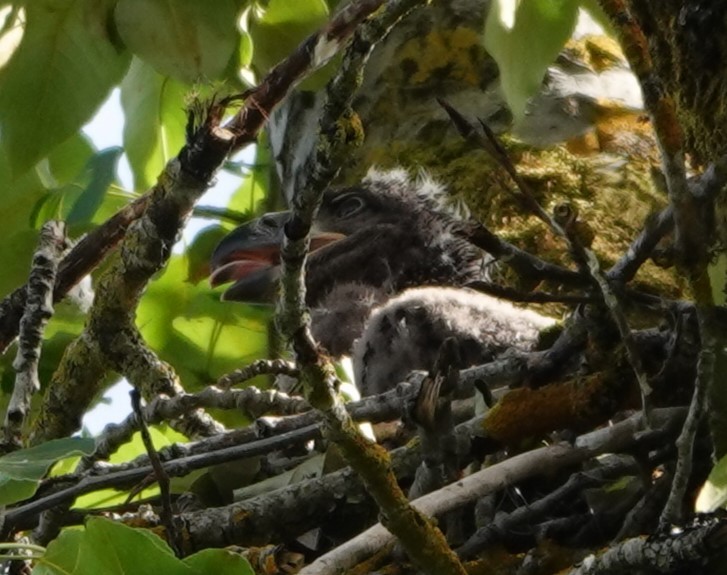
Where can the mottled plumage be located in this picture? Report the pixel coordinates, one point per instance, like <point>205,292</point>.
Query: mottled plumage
<point>388,282</point>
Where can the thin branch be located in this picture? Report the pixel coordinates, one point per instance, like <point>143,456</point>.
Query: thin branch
<point>424,543</point>
<point>217,214</point>
<point>619,317</point>
<point>512,294</point>
<point>533,513</point>
<point>566,226</point>
<point>692,236</point>
<point>110,340</point>
<point>177,468</point>
<point>162,478</point>
<point>641,248</point>
<point>250,400</point>
<point>673,513</point>
<point>524,264</point>
<point>260,367</point>
<point>618,437</point>
<point>693,230</point>
<point>38,311</point>
<point>310,55</point>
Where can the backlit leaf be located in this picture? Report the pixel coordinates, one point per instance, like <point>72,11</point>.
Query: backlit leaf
<point>112,548</point>
<point>714,491</point>
<point>62,71</point>
<point>524,37</point>
<point>278,31</point>
<point>101,172</point>
<point>185,39</point>
<point>155,119</point>
<point>20,471</point>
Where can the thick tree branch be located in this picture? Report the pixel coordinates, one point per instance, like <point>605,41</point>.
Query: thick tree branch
<point>678,552</point>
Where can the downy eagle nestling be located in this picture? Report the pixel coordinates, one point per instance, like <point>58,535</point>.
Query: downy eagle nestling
<point>385,279</point>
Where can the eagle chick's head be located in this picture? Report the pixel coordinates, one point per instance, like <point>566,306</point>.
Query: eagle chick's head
<point>391,230</point>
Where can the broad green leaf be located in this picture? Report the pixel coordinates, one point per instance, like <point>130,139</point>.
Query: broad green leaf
<point>18,199</point>
<point>524,37</point>
<point>85,200</point>
<point>112,548</point>
<point>245,50</point>
<point>197,333</point>
<point>714,491</point>
<point>154,121</point>
<point>101,172</point>
<point>186,39</point>
<point>66,161</point>
<point>219,562</point>
<point>20,471</point>
<point>281,27</point>
<point>61,556</point>
<point>62,71</point>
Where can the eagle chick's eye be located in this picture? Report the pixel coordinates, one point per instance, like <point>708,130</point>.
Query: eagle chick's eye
<point>267,221</point>
<point>349,206</point>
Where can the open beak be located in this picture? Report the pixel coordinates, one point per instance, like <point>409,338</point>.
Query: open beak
<point>249,256</point>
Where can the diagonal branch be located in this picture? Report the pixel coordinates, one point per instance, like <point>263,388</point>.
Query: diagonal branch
<point>110,341</point>
<point>38,311</point>
<point>423,541</point>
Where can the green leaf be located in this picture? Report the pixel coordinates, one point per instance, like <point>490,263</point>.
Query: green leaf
<point>281,27</point>
<point>524,37</point>
<point>62,71</point>
<point>66,161</point>
<point>186,39</point>
<point>220,562</point>
<point>79,202</point>
<point>101,172</point>
<point>202,337</point>
<point>61,556</point>
<point>20,471</point>
<point>245,50</point>
<point>154,127</point>
<point>714,491</point>
<point>17,202</point>
<point>112,548</point>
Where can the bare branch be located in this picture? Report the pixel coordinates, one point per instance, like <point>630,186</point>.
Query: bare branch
<point>39,309</point>
<point>683,550</point>
<point>162,479</point>
<point>496,477</point>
